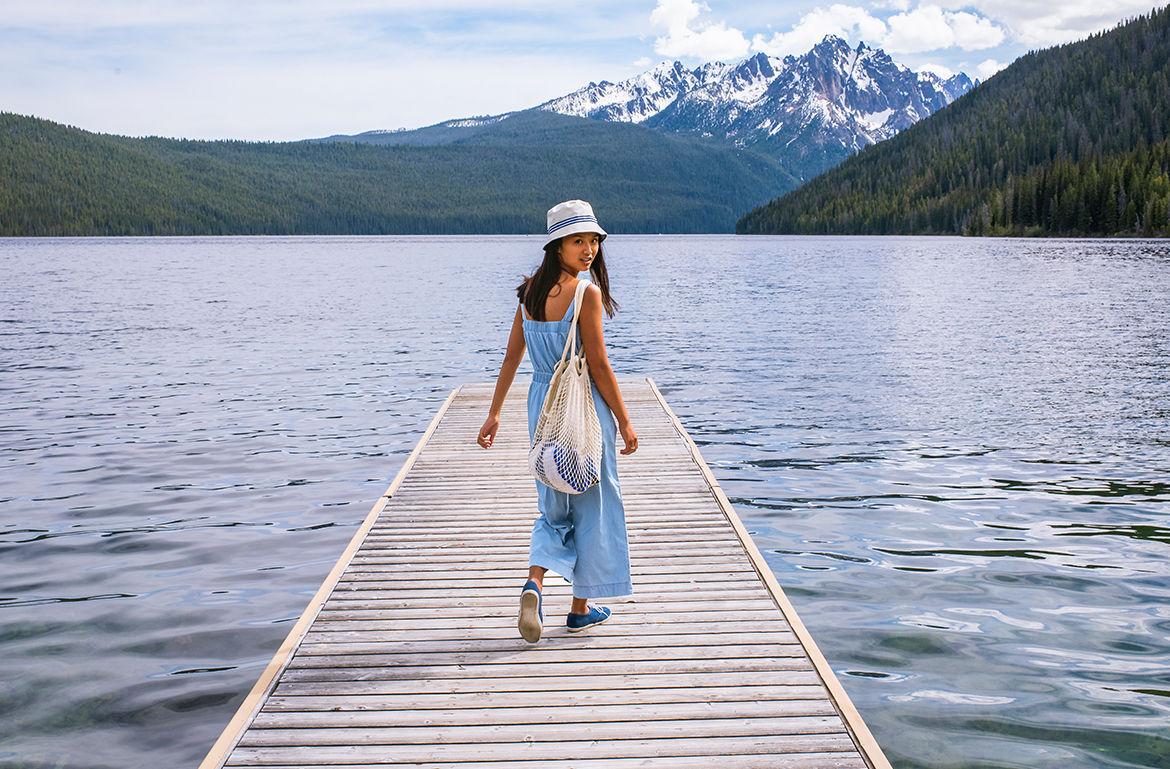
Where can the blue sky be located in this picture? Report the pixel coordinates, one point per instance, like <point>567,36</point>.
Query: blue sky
<point>277,70</point>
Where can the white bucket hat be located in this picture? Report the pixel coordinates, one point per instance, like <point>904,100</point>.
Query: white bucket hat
<point>571,217</point>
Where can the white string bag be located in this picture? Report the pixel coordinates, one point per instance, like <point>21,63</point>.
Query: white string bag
<point>566,447</point>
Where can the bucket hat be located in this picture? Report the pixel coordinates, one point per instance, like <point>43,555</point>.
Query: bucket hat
<point>571,217</point>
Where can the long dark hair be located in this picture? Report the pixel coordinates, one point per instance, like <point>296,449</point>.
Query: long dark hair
<point>534,291</point>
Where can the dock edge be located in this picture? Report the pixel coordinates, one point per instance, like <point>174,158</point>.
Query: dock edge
<point>870,751</point>
<point>234,731</point>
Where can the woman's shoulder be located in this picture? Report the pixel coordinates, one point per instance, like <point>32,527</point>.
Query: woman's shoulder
<point>592,295</point>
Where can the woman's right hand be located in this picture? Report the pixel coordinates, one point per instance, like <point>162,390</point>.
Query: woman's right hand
<point>629,437</point>
<point>487,433</point>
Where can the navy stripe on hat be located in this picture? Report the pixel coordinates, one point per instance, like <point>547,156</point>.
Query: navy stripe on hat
<point>571,220</point>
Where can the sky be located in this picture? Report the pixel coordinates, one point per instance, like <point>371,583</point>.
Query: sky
<point>283,70</point>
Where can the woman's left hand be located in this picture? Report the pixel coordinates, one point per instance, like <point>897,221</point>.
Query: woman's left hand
<point>629,437</point>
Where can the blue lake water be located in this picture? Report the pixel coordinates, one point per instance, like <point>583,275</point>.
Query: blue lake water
<point>955,455</point>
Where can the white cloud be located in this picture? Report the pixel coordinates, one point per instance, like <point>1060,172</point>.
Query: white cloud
<point>973,33</point>
<point>923,29</point>
<point>1042,23</point>
<point>686,37</point>
<point>926,28</point>
<point>988,68</point>
<point>643,62</point>
<point>847,22</point>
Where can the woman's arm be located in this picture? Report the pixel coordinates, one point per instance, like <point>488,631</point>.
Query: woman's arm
<point>512,359</point>
<point>593,340</point>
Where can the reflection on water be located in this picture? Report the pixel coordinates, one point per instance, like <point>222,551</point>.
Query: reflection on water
<point>953,454</point>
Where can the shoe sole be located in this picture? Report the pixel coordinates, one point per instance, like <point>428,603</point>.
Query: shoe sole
<point>591,624</point>
<point>530,624</point>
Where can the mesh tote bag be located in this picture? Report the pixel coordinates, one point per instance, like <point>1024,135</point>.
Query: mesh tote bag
<point>566,447</point>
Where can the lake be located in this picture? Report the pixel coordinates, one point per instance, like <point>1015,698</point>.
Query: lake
<point>954,454</point>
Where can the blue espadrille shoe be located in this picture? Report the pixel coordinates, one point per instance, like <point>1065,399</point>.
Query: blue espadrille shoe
<point>596,615</point>
<point>531,613</point>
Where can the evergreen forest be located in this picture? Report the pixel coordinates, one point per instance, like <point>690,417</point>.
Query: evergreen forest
<point>1068,141</point>
<point>61,180</point>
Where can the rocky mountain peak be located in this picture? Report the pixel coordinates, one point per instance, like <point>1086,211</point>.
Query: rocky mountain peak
<point>835,99</point>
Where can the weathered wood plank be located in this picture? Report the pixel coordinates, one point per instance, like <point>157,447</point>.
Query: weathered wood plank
<point>504,655</point>
<point>501,595</point>
<point>623,698</point>
<point>329,755</point>
<point>570,688</point>
<point>412,717</point>
<point>652,634</point>
<point>687,610</point>
<point>302,672</point>
<point>848,760</point>
<point>643,576</point>
<point>388,641</point>
<point>820,726</point>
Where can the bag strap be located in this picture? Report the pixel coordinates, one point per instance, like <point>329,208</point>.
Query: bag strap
<point>571,342</point>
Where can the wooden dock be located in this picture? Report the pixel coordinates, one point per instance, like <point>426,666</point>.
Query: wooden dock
<point>409,653</point>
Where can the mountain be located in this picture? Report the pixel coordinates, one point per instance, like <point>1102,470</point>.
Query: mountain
<point>1072,140</point>
<point>59,180</point>
<point>810,111</point>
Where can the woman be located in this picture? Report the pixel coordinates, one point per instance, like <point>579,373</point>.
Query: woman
<point>580,536</point>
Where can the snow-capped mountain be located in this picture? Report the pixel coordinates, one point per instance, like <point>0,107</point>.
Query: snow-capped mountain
<point>830,102</point>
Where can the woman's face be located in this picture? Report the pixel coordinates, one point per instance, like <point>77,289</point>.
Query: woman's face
<point>577,251</point>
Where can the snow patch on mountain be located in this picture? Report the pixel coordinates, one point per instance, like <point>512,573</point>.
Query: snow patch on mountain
<point>876,120</point>
<point>476,122</point>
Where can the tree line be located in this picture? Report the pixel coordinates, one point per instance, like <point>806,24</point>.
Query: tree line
<point>61,180</point>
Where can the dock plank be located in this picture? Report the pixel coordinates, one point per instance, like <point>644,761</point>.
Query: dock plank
<point>409,653</point>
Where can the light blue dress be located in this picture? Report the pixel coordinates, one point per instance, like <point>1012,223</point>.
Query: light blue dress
<point>582,537</point>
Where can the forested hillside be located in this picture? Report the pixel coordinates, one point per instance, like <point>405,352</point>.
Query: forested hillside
<point>1072,141</point>
<point>58,180</point>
